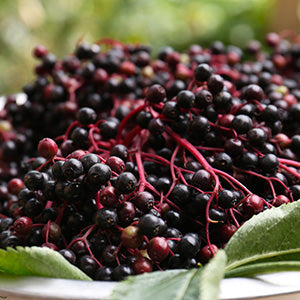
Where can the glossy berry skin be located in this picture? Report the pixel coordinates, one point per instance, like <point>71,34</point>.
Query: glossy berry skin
<point>227,231</point>
<point>202,179</point>
<point>15,185</point>
<point>47,148</point>
<point>217,215</point>
<point>185,99</point>
<point>106,218</point>
<point>207,252</point>
<point>89,160</point>
<point>57,170</point>
<point>86,116</point>
<point>253,205</point>
<point>281,199</point>
<point>144,200</point>
<point>116,164</point>
<point>131,237</point>
<point>180,194</point>
<point>143,119</point>
<point>34,180</point>
<point>223,101</point>
<point>226,199</point>
<point>33,207</point>
<point>126,212</point>
<point>200,126</point>
<point>109,196</point>
<point>108,255</point>
<point>72,168</point>
<point>151,225</point>
<point>171,110</point>
<point>120,151</point>
<point>155,94</point>
<point>233,146</point>
<point>189,245</point>
<point>241,124</point>
<point>158,249</point>
<point>202,72</point>
<point>203,98</point>
<point>223,161</point>
<point>253,92</point>
<point>142,265</point>
<point>257,136</point>
<point>98,174</point>
<point>249,160</point>
<point>104,274</point>
<point>269,163</point>
<point>126,183</point>
<point>69,255</point>
<point>121,272</point>
<point>23,226</point>
<point>215,84</point>
<point>88,265</point>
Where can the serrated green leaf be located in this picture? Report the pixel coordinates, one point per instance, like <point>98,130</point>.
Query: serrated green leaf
<point>255,269</point>
<point>194,284</point>
<point>37,261</point>
<point>272,233</point>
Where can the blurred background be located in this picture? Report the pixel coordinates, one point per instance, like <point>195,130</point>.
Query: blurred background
<point>59,25</point>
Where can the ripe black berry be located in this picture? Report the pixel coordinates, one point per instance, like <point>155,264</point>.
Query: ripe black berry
<point>227,199</point>
<point>89,160</point>
<point>185,99</point>
<point>98,174</point>
<point>269,163</point>
<point>189,245</point>
<point>126,183</point>
<point>86,116</point>
<point>34,180</point>
<point>241,124</point>
<point>202,72</point>
<point>106,218</point>
<point>151,225</point>
<point>72,168</point>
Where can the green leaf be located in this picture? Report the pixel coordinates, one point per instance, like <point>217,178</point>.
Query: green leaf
<point>272,233</point>
<point>37,261</point>
<point>212,275</point>
<point>157,285</point>
<point>175,284</point>
<point>254,269</point>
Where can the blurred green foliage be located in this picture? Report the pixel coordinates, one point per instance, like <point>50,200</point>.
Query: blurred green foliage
<point>60,24</point>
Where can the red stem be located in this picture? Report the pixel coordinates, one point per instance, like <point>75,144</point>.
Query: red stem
<point>126,120</point>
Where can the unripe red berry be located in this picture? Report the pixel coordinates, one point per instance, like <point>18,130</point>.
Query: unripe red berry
<point>280,199</point>
<point>227,231</point>
<point>47,148</point>
<point>23,226</point>
<point>142,265</point>
<point>253,205</point>
<point>50,246</point>
<point>207,252</point>
<point>15,185</point>
<point>158,249</point>
<point>40,51</point>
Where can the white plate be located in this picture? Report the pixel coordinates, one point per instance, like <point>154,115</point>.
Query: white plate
<point>280,286</point>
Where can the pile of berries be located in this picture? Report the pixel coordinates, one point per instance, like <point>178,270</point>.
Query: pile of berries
<point>127,164</point>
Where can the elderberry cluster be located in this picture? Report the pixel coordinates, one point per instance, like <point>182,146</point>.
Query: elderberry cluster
<point>127,164</point>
